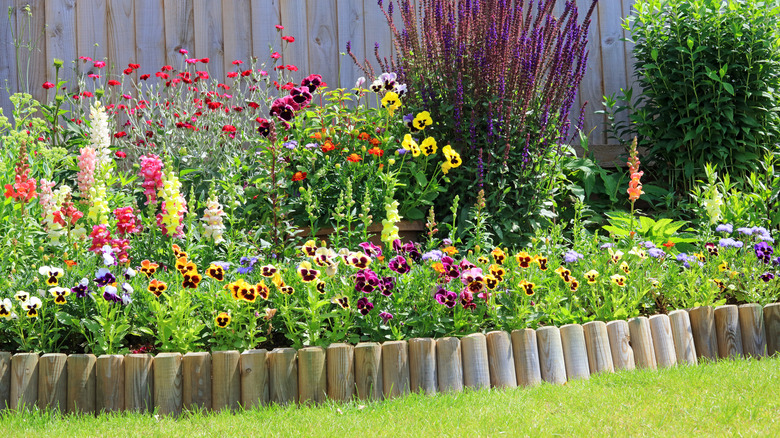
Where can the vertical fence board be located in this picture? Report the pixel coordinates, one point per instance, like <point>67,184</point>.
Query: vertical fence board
<point>237,33</point>
<point>209,36</point>
<point>597,344</point>
<point>368,371</point>
<point>683,337</point>
<point>81,383</point>
<point>265,37</point>
<point>323,40</point>
<point>575,353</point>
<point>168,383</point>
<point>551,362</point>
<point>350,29</point>
<point>501,361</point>
<point>33,64</point>
<point>139,383</point>
<point>60,40</point>
<point>196,389</point>
<point>727,331</point>
<point>613,55</point>
<point>283,375</point>
<point>24,380</point>
<point>377,33</point>
<point>8,68</point>
<point>294,13</point>
<point>620,344</point>
<point>591,91</point>
<point>526,353</point>
<point>226,381</point>
<point>751,324</point>
<point>341,371</point>
<point>179,29</point>
<point>395,366</point>
<point>312,375</point>
<point>110,387</point>
<point>5,380</point>
<point>476,370</point>
<point>449,364</point>
<point>772,326</point>
<point>120,17</point>
<point>663,344</point>
<point>422,365</point>
<point>254,378</point>
<point>53,382</point>
<point>703,327</point>
<point>149,35</point>
<point>91,34</point>
<point>642,342</point>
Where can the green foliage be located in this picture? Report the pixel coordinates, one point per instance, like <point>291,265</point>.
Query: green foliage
<point>710,74</point>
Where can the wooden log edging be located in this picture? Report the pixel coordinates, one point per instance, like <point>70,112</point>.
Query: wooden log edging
<point>171,382</point>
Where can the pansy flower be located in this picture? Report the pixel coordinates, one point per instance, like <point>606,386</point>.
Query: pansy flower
<point>483,260</point>
<point>110,294</point>
<point>591,276</point>
<point>324,256</point>
<point>499,256</point>
<point>6,308</point>
<point>157,287</point>
<point>191,280</point>
<point>391,101</point>
<point>422,120</point>
<point>385,317</point>
<point>309,248</point>
<point>491,281</point>
<point>104,277</point>
<point>615,256</point>
<point>410,145</point>
<point>399,264</point>
<point>217,272</point>
<point>541,261</point>
<point>222,320</point>
<point>358,260</point>
<point>22,296</point>
<point>248,293</point>
<point>364,306</point>
<point>320,286</point>
<point>263,291</point>
<point>723,266</point>
<point>445,297</point>
<point>148,267</point>
<point>268,271</point>
<point>712,249</point>
<point>700,256</point>
<point>624,266</point>
<point>177,251</point>
<point>574,284</point>
<point>342,301</point>
<point>451,250</point>
<point>236,288</point>
<point>51,274</point>
<point>371,249</point>
<point>639,252</point>
<point>467,300</point>
<point>564,273</point>
<point>497,271</point>
<point>618,280</point>
<point>523,259</point>
<point>307,273</point>
<point>718,282</point>
<point>287,289</point>
<point>428,146</point>
<point>59,294</point>
<point>766,277</point>
<point>31,306</point>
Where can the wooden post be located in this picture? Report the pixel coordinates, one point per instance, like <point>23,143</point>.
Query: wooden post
<point>283,375</point>
<point>24,380</point>
<point>53,382</point>
<point>728,333</point>
<point>642,342</point>
<point>682,334</point>
<point>168,383</point>
<point>226,380</point>
<point>139,383</point>
<point>395,366</point>
<point>81,383</point>
<point>501,361</point>
<point>575,353</point>
<point>751,324</point>
<point>526,353</point>
<point>552,366</point>
<point>663,343</point>
<point>476,373</point>
<point>5,380</point>
<point>196,371</point>
<point>597,344</point>
<point>312,375</point>
<point>110,387</point>
<point>340,359</point>
<point>620,345</point>
<point>772,326</point>
<point>703,327</point>
<point>368,371</point>
<point>254,379</point>
<point>422,365</point>
<point>449,364</point>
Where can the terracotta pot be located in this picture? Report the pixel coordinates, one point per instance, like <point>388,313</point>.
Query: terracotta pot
<point>407,230</point>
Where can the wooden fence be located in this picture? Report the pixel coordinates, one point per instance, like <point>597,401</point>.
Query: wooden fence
<point>151,32</point>
<point>170,382</point>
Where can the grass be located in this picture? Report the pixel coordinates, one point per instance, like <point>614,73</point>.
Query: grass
<point>724,398</point>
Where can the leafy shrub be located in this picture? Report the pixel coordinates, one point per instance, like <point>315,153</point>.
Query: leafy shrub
<point>709,72</point>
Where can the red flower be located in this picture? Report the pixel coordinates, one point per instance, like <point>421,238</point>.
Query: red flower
<point>232,74</point>
<point>299,176</point>
<point>93,76</point>
<point>376,151</point>
<point>100,64</point>
<point>183,51</point>
<point>254,105</point>
<point>328,146</point>
<point>128,71</point>
<point>292,68</point>
<point>204,60</point>
<point>288,86</point>
<point>276,55</point>
<point>229,128</point>
<point>134,66</point>
<point>668,244</point>
<point>353,158</point>
<point>238,62</point>
<point>113,82</point>
<point>246,72</point>
<point>85,58</point>
<point>86,94</point>
<point>279,27</point>
<point>48,85</point>
<point>120,134</point>
<point>120,154</point>
<point>161,75</point>
<point>144,77</point>
<point>289,39</point>
<point>203,75</point>
<point>166,68</point>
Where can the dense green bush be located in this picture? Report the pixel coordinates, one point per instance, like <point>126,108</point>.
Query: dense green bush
<point>710,76</point>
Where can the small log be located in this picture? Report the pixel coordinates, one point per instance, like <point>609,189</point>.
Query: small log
<point>82,380</point>
<point>368,371</point>
<point>254,379</point>
<point>703,327</point>
<point>772,326</point>
<point>682,334</point>
<point>168,383</point>
<point>728,333</point>
<point>422,365</point>
<point>110,387</point>
<point>476,371</point>
<point>501,361</point>
<point>5,380</point>
<point>139,383</point>
<point>620,345</point>
<point>642,342</point>
<point>552,365</point>
<point>597,344</point>
<point>340,359</point>
<point>24,380</point>
<point>526,353</point>
<point>395,368</point>
<point>196,388</point>
<point>663,343</point>
<point>449,364</point>
<point>226,380</point>
<point>53,382</point>
<point>575,353</point>
<point>312,375</point>
<point>751,324</point>
<point>283,375</point>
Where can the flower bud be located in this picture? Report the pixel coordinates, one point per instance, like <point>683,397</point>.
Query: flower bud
<point>338,165</point>
<point>391,161</point>
<point>99,93</point>
<point>59,98</point>
<point>57,63</point>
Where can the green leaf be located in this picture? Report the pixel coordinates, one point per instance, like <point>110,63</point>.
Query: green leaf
<point>728,87</point>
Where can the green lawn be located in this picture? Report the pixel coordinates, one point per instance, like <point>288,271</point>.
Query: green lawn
<point>725,398</point>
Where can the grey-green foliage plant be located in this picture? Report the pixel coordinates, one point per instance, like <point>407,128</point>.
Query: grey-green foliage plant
<point>710,74</point>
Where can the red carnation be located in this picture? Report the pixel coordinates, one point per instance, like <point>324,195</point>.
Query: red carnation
<point>48,85</point>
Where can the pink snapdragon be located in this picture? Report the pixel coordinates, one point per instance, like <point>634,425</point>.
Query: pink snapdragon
<point>126,221</point>
<point>151,171</point>
<point>100,237</point>
<point>86,175</point>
